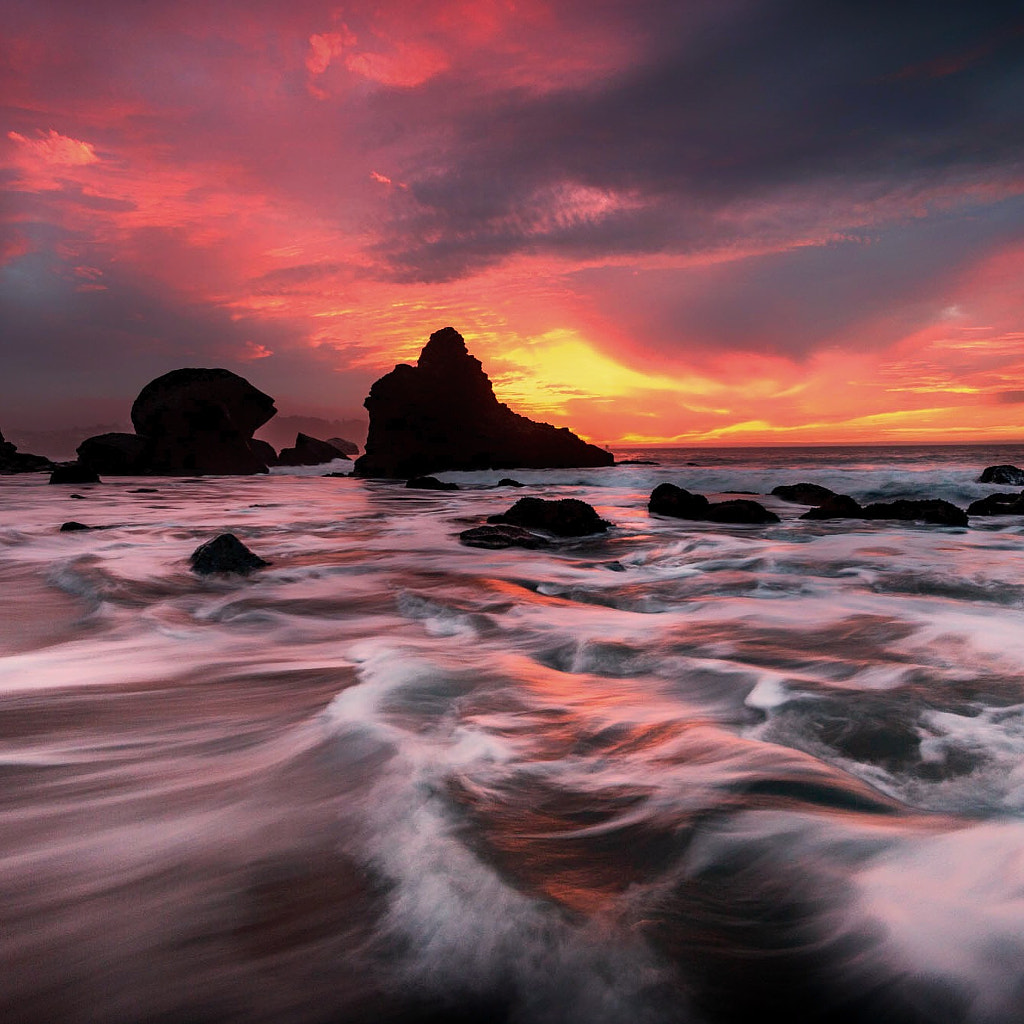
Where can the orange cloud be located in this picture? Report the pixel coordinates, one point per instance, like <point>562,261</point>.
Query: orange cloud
<point>53,148</point>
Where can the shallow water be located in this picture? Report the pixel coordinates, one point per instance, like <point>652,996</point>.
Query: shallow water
<point>681,772</point>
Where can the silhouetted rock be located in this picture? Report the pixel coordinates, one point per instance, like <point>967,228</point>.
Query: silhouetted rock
<point>925,510</point>
<point>803,494</point>
<point>431,483</point>
<point>839,506</point>
<point>636,462</point>
<point>740,510</point>
<point>669,500</point>
<point>344,446</point>
<point>442,414</point>
<point>73,473</point>
<point>1002,475</point>
<point>507,481</point>
<point>309,451</point>
<point>568,517</point>
<point>998,505</point>
<point>225,553</point>
<point>201,421</point>
<point>501,537</point>
<point>13,461</point>
<point>73,527</point>
<point>264,451</point>
<point>113,454</point>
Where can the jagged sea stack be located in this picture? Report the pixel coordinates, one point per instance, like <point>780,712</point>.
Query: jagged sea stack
<point>442,414</point>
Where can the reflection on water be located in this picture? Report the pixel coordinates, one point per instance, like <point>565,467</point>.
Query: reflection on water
<point>684,772</point>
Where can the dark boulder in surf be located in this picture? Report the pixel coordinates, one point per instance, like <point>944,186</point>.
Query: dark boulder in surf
<point>442,414</point>
<point>568,517</point>
<point>73,473</point>
<point>73,527</point>
<point>507,481</point>
<point>431,483</point>
<point>839,506</point>
<point>13,461</point>
<point>1002,475</point>
<point>501,537</point>
<point>803,494</point>
<point>309,451</point>
<point>998,505</point>
<point>113,454</point>
<point>924,510</point>
<point>740,510</point>
<point>669,500</point>
<point>199,421</point>
<point>225,553</point>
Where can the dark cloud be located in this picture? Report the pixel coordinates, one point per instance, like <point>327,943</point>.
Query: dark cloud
<point>859,99</point>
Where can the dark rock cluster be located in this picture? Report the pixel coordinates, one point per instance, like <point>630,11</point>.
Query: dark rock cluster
<point>1011,475</point>
<point>189,422</point>
<point>669,500</point>
<point>922,510</point>
<point>13,461</point>
<point>310,451</point>
<point>442,414</point>
<point>568,517</point>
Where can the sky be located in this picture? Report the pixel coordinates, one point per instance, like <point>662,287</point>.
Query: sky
<point>654,221</point>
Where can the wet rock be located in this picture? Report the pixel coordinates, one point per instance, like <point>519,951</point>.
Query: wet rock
<point>669,500</point>
<point>142,490</point>
<point>309,451</point>
<point>13,461</point>
<point>507,481</point>
<point>501,537</point>
<point>73,527</point>
<point>925,510</point>
<point>804,493</point>
<point>636,462</point>
<point>998,505</point>
<point>568,517</point>
<point>442,414</point>
<point>264,451</point>
<point>113,454</point>
<point>346,447</point>
<point>840,506</point>
<point>225,553</point>
<point>431,483</point>
<point>199,421</point>
<point>740,510</point>
<point>73,473</point>
<point>1011,475</point>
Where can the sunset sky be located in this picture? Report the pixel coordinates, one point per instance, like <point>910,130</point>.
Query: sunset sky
<point>690,221</point>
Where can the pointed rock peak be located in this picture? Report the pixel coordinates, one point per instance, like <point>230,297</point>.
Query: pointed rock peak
<point>446,351</point>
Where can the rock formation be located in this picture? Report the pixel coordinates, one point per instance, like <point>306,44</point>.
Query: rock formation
<point>495,537</point>
<point>568,517</point>
<point>669,500</point>
<point>13,461</point>
<point>73,473</point>
<point>998,504</point>
<point>921,510</point>
<point>225,553</point>
<point>803,493</point>
<point>189,422</point>
<point>1002,475</point>
<point>309,451</point>
<point>442,414</point>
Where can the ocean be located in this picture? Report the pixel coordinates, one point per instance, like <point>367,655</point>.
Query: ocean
<point>681,772</point>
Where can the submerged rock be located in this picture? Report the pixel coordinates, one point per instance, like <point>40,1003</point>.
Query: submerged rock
<point>13,461</point>
<point>442,414</point>
<point>1011,475</point>
<point>309,451</point>
<point>501,537</point>
<point>225,553</point>
<point>804,493</point>
<point>998,505</point>
<point>925,510</point>
<point>73,473</point>
<point>431,483</point>
<point>568,517</point>
<point>73,527</point>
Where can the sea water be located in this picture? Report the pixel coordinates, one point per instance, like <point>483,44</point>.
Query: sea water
<point>678,772</point>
